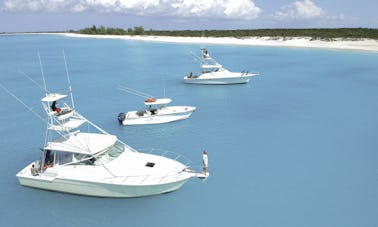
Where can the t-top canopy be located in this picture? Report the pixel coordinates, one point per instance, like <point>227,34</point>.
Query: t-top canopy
<point>53,97</point>
<point>158,102</point>
<point>82,143</point>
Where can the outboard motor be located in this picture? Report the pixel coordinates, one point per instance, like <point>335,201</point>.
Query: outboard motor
<point>121,117</point>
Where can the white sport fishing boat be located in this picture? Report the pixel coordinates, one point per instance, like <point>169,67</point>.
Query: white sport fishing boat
<point>214,73</point>
<point>157,111</point>
<point>81,158</point>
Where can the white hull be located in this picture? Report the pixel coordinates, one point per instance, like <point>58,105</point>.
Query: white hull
<point>99,189</point>
<point>164,115</point>
<point>219,79</point>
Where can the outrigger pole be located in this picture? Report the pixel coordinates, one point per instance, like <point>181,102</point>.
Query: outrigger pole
<point>20,101</point>
<point>68,78</point>
<point>43,74</point>
<point>196,58</point>
<point>26,75</point>
<point>134,92</point>
<point>50,120</point>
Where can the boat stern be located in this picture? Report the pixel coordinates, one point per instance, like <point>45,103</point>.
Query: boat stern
<point>31,176</point>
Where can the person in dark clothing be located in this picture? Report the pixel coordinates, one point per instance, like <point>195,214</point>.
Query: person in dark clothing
<point>54,108</point>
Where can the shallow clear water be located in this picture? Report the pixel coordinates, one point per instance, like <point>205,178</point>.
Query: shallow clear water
<point>297,146</point>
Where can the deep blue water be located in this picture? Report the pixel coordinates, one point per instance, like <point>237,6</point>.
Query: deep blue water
<point>297,146</point>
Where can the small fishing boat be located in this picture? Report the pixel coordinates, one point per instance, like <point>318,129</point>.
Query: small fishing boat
<point>211,72</point>
<point>79,157</point>
<point>157,111</point>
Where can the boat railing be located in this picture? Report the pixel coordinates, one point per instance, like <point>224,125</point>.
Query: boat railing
<point>168,154</point>
<point>246,73</point>
<point>140,179</point>
<point>178,157</point>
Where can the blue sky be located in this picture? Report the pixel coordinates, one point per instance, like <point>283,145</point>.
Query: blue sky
<point>62,15</point>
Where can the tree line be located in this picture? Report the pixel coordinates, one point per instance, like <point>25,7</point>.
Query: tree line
<point>101,30</point>
<point>314,33</point>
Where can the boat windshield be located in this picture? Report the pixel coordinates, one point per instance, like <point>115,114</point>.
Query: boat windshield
<point>110,154</point>
<point>102,158</point>
<point>210,70</point>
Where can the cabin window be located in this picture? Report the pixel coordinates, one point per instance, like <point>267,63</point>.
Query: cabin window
<point>84,159</point>
<point>116,150</point>
<point>109,154</point>
<point>150,164</point>
<point>64,157</point>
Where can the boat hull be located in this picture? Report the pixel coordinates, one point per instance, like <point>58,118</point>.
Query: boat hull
<point>99,189</point>
<point>218,80</point>
<point>215,81</point>
<point>158,118</point>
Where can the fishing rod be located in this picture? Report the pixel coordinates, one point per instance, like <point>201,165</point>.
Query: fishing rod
<point>164,89</point>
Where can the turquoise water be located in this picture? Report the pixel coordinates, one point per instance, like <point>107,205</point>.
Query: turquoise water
<point>297,146</point>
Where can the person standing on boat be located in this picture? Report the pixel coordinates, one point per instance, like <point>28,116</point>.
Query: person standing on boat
<point>34,170</point>
<point>205,161</point>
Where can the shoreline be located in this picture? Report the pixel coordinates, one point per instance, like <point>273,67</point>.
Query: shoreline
<point>370,45</point>
<point>295,42</point>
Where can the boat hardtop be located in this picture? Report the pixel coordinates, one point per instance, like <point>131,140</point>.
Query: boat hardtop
<point>53,97</point>
<point>72,143</point>
<point>155,101</point>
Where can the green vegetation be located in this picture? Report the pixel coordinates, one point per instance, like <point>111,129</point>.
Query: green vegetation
<point>322,33</point>
<point>139,30</point>
<point>352,33</point>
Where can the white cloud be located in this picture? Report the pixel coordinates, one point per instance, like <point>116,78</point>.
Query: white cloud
<point>305,9</point>
<point>236,9</point>
<point>244,8</point>
<point>33,6</point>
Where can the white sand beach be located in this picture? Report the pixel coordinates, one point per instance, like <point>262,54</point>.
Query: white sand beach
<point>301,42</point>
